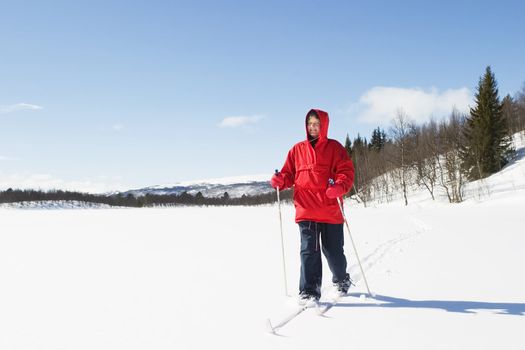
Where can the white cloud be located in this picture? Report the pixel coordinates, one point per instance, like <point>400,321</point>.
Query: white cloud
<point>19,107</point>
<point>239,121</point>
<point>380,104</point>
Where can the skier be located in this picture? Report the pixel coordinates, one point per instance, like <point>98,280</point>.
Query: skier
<point>309,166</point>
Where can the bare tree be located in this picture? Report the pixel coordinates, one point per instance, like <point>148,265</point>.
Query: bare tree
<point>520,109</point>
<point>360,157</point>
<point>380,183</point>
<point>452,178</point>
<point>402,134</point>
<point>424,160</point>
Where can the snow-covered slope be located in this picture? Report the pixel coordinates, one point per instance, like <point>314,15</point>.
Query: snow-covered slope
<point>446,277</point>
<point>510,180</point>
<point>235,186</point>
<point>54,205</point>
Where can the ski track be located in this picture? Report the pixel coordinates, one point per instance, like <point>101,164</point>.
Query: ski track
<point>384,248</point>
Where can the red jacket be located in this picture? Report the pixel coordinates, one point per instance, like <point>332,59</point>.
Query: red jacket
<point>308,169</point>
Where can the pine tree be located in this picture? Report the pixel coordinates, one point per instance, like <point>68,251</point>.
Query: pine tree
<point>378,140</point>
<point>348,146</point>
<point>511,114</point>
<point>487,145</point>
<point>360,142</point>
<point>356,151</point>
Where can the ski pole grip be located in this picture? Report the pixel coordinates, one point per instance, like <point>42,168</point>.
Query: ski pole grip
<point>277,173</point>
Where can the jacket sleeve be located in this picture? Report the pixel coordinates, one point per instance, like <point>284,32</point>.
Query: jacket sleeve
<point>344,170</point>
<point>288,170</point>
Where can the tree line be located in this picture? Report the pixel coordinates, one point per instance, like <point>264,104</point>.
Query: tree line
<point>148,200</point>
<point>443,154</point>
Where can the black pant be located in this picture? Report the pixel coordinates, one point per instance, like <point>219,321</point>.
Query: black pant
<point>332,238</point>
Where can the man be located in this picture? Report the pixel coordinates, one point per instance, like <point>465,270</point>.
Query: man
<point>309,166</point>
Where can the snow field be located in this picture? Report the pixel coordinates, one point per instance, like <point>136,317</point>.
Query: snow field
<point>195,278</point>
<point>447,276</point>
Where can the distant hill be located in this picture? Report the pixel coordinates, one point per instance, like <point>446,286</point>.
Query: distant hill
<point>235,186</point>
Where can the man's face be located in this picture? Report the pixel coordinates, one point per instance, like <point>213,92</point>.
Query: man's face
<point>313,126</point>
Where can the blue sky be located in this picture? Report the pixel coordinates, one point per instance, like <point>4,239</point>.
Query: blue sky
<point>99,95</point>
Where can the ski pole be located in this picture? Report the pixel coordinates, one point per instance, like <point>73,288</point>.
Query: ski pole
<point>331,182</point>
<point>282,239</point>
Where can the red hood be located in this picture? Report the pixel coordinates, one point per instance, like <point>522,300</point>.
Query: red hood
<point>325,121</point>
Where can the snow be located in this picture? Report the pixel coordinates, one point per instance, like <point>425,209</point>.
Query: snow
<point>235,186</point>
<point>223,180</point>
<point>58,205</point>
<point>447,276</point>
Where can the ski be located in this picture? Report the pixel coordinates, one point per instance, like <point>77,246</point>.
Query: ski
<point>323,310</point>
<point>273,329</point>
<point>337,298</point>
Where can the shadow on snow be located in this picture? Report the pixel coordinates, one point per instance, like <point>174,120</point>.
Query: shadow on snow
<point>469,307</point>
